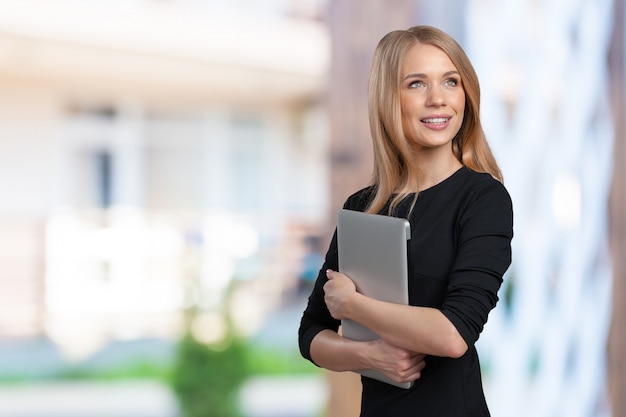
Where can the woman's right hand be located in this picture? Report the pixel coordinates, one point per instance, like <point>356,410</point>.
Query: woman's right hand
<point>399,364</point>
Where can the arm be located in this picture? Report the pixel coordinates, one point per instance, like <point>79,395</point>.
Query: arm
<point>331,351</point>
<point>417,329</point>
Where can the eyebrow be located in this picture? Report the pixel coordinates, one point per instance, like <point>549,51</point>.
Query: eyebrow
<point>422,75</point>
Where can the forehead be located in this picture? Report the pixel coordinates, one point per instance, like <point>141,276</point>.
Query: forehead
<point>426,59</point>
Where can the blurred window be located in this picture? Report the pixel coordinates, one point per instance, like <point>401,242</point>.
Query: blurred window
<point>248,174</point>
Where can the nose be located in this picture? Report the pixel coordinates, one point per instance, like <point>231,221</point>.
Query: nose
<point>435,97</point>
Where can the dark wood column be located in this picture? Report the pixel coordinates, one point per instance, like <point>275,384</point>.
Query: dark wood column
<point>616,349</point>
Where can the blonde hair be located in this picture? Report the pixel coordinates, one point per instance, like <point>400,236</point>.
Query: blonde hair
<point>393,161</point>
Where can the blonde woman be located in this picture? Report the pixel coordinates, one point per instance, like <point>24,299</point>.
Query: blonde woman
<point>433,166</point>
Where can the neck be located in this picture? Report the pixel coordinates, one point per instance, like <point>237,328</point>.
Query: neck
<point>432,171</point>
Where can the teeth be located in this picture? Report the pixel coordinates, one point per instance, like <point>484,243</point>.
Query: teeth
<point>436,120</point>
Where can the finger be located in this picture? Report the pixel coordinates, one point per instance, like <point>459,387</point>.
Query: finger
<point>418,356</point>
<point>330,274</point>
<point>413,365</point>
<point>414,372</point>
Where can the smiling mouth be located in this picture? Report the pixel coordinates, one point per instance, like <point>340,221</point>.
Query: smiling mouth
<point>436,120</point>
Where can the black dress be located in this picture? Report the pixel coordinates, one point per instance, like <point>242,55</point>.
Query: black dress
<point>459,250</point>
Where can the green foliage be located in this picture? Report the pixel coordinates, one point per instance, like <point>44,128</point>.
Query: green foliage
<point>278,362</point>
<point>136,369</point>
<point>207,379</point>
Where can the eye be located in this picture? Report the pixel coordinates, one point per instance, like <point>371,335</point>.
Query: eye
<point>416,84</point>
<point>451,82</point>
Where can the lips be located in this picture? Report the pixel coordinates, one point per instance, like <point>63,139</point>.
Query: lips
<point>436,120</point>
<point>436,123</point>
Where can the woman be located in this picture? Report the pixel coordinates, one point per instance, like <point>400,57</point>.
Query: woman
<point>433,166</point>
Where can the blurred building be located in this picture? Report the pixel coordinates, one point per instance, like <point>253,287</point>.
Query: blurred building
<point>153,151</point>
<point>150,152</point>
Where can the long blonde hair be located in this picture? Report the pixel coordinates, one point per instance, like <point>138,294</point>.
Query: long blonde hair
<point>393,160</point>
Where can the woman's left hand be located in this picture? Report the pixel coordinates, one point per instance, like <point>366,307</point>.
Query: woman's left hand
<point>337,292</point>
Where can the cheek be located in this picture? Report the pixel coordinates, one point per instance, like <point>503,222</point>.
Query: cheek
<point>404,107</point>
<point>405,111</point>
<point>460,103</point>
<point>409,104</point>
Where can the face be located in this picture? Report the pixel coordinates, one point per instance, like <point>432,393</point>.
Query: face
<point>432,98</point>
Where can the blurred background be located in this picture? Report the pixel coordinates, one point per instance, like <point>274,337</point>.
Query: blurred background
<point>170,172</point>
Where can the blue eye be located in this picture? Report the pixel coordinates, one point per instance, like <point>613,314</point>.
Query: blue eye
<point>452,82</point>
<point>415,84</point>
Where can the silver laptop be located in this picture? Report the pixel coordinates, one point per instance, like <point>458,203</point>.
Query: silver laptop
<point>373,252</point>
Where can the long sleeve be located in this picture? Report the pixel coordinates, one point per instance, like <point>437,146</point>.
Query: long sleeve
<point>484,232</point>
<point>316,316</point>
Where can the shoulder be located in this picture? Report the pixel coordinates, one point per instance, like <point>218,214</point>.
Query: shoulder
<point>481,185</point>
<point>486,200</point>
<point>360,200</point>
